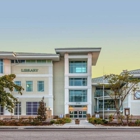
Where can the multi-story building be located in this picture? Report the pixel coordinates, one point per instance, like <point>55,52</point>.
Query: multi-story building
<point>63,79</point>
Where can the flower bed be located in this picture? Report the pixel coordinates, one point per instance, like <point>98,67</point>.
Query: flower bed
<point>33,122</point>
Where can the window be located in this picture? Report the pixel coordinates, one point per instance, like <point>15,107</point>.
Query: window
<point>1,66</point>
<point>78,96</point>
<point>1,110</point>
<point>78,67</point>
<point>17,109</point>
<point>40,86</point>
<point>18,83</point>
<point>29,86</point>
<point>30,61</point>
<point>17,61</point>
<point>41,61</point>
<point>78,81</point>
<point>32,108</point>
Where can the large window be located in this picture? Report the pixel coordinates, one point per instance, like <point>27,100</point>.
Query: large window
<point>78,67</point>
<point>32,108</point>
<point>1,110</point>
<point>78,81</point>
<point>17,109</point>
<point>29,85</point>
<point>40,86</point>
<point>1,66</point>
<point>78,96</point>
<point>18,83</point>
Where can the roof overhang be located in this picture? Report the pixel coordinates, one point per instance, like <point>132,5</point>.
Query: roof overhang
<point>21,56</point>
<point>7,55</point>
<point>94,51</point>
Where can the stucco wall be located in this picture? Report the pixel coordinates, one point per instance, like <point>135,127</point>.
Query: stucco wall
<point>58,86</point>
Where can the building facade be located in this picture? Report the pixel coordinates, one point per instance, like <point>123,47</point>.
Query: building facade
<point>63,79</point>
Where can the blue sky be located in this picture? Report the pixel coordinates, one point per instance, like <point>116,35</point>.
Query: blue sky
<point>42,25</point>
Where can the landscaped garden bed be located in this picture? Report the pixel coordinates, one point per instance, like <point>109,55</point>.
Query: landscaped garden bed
<point>96,121</point>
<point>33,122</point>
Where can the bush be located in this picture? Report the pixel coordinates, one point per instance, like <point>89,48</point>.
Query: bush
<point>94,120</point>
<point>52,121</point>
<point>137,122</point>
<point>111,118</point>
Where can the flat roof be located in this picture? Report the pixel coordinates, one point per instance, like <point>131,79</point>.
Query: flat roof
<point>24,55</point>
<point>95,52</point>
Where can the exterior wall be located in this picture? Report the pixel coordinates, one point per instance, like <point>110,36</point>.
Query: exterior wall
<point>134,104</point>
<point>44,73</point>
<point>58,86</point>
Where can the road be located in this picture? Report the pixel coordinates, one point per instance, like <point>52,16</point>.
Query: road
<point>70,134</point>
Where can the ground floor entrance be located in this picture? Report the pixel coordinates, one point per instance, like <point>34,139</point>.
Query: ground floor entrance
<point>77,111</point>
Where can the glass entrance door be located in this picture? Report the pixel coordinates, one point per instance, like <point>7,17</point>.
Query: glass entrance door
<point>78,114</point>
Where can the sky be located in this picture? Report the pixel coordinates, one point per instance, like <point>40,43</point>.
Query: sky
<point>42,25</point>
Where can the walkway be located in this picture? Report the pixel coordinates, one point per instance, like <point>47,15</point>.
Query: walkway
<point>83,124</point>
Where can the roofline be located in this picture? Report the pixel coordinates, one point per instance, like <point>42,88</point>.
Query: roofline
<point>73,50</point>
<point>13,55</point>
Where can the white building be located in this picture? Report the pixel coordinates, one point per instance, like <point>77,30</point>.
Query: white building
<point>63,79</point>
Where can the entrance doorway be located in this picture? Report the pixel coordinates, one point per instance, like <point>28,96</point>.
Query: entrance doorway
<point>77,111</point>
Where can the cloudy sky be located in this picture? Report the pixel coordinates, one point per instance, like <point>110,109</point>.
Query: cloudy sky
<point>42,25</point>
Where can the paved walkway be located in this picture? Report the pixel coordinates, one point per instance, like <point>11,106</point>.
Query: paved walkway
<point>83,124</point>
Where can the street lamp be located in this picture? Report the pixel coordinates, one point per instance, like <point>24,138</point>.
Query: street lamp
<point>18,107</point>
<point>127,113</point>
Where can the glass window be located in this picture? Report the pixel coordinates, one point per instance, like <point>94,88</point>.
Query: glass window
<point>78,82</point>
<point>17,83</point>
<point>30,61</point>
<point>1,66</point>
<point>32,108</point>
<point>40,86</point>
<point>78,96</point>
<point>29,85</point>
<point>1,110</point>
<point>41,61</point>
<point>17,109</point>
<point>78,67</point>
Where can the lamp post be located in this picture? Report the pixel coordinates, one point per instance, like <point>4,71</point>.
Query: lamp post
<point>127,113</point>
<point>18,107</point>
<point>103,97</point>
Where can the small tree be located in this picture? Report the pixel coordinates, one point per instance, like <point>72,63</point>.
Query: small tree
<point>42,111</point>
<point>6,87</point>
<point>120,86</point>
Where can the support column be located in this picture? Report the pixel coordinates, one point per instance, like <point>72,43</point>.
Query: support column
<point>89,90</point>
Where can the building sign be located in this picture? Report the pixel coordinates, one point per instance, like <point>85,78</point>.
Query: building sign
<point>29,70</point>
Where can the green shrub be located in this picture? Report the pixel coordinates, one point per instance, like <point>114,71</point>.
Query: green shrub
<point>52,121</point>
<point>66,120</point>
<point>137,122</point>
<point>94,120</point>
<point>105,122</point>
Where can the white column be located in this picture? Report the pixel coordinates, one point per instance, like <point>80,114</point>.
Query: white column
<point>66,62</point>
<point>51,104</point>
<point>66,101</point>
<point>89,90</point>
<point>51,80</point>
